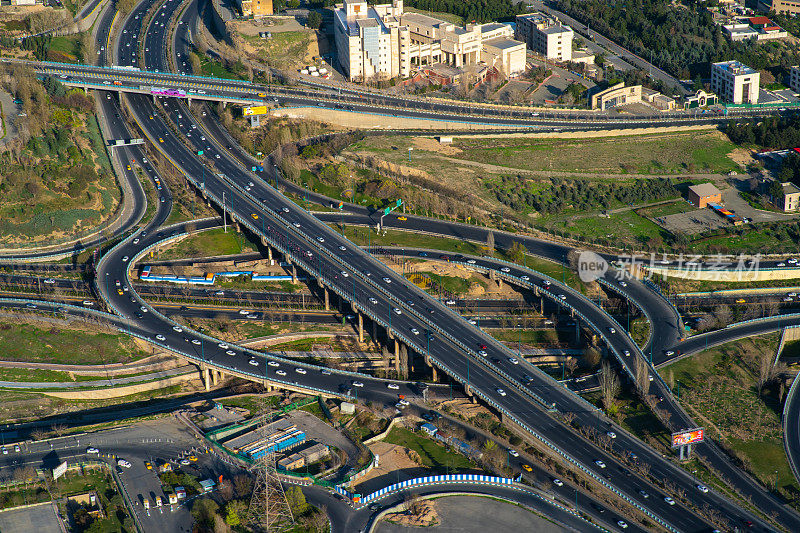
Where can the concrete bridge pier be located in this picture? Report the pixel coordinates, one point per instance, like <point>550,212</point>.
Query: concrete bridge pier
<point>360,326</point>
<point>374,332</point>
<point>468,392</point>
<point>205,375</point>
<point>434,370</point>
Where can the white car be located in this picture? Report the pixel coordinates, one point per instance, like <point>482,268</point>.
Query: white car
<point>450,302</point>
<point>387,280</point>
<point>471,261</point>
<point>301,370</point>
<point>253,362</point>
<point>501,392</point>
<point>50,281</point>
<point>524,278</point>
<point>792,261</point>
<point>600,463</point>
<point>143,309</point>
<point>178,329</point>
<point>280,372</point>
<point>669,500</point>
<point>562,296</point>
<point>325,372</point>
<point>357,384</point>
<point>320,239</point>
<point>622,523</point>
<point>160,337</point>
<point>623,284</point>
<point>611,434</point>
<point>345,274</point>
<point>557,482</point>
<point>223,345</point>
<point>513,453</point>
<point>669,353</point>
<point>513,360</point>
<point>627,353</point>
<point>342,248</point>
<point>612,330</point>
<point>230,352</point>
<point>482,353</point>
<point>373,301</point>
<point>397,311</point>
<point>505,269</point>
<point>393,386</point>
<point>92,450</point>
<point>273,363</point>
<point>125,259</point>
<point>781,264</point>
<point>415,331</point>
<point>185,462</point>
<point>123,463</point>
<point>244,312</point>
<point>702,488</point>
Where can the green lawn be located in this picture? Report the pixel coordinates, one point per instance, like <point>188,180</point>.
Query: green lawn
<point>536,337</point>
<point>720,383</point>
<point>365,236</point>
<point>432,454</point>
<point>67,47</point>
<point>26,342</point>
<point>640,154</point>
<point>662,210</point>
<point>210,243</point>
<point>618,229</point>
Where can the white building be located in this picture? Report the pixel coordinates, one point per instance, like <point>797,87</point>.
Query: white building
<point>382,41</point>
<point>734,82</point>
<point>545,35</point>
<point>794,78</point>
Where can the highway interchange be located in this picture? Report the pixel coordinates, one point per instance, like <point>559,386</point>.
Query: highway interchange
<point>382,295</point>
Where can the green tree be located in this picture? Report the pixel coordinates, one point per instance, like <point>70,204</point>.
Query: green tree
<point>297,500</point>
<point>314,20</point>
<point>204,510</point>
<point>235,511</point>
<point>516,253</point>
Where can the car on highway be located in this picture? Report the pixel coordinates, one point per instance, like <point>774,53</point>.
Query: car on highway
<point>255,216</point>
<point>600,463</point>
<point>185,462</point>
<point>557,482</point>
<point>230,352</point>
<point>513,453</point>
<point>627,353</point>
<point>397,311</point>
<point>482,353</point>
<point>223,345</point>
<point>344,274</point>
<point>148,465</point>
<point>92,450</point>
<point>450,302</point>
<point>622,523</point>
<point>562,296</point>
<point>702,488</point>
<point>357,384</point>
<point>123,463</point>
<point>611,434</point>
<point>273,363</point>
<point>125,259</point>
<point>513,360</point>
<point>160,337</point>
<point>741,301</point>
<point>393,386</point>
<point>669,500</point>
<point>644,494</point>
<point>342,248</point>
<point>280,372</point>
<point>284,209</point>
<point>196,342</point>
<point>373,301</point>
<point>524,278</point>
<point>669,353</point>
<point>321,239</point>
<point>415,331</point>
<point>252,362</point>
<point>505,269</point>
<point>501,392</point>
<point>325,372</point>
<point>527,468</point>
<point>387,280</point>
<point>244,312</point>
<point>612,330</point>
<point>301,370</point>
<point>623,283</point>
<point>50,281</point>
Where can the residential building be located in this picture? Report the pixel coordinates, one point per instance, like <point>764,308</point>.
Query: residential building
<point>545,35</point>
<point>382,41</point>
<point>703,194</point>
<point>735,82</point>
<point>255,8</point>
<point>758,28</point>
<point>782,7</point>
<point>794,78</point>
<point>790,200</point>
<point>23,2</point>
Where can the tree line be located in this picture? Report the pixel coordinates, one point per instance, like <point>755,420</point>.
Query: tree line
<point>521,194</point>
<point>680,39</point>
<point>472,10</point>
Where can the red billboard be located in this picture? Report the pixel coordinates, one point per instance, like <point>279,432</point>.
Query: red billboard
<point>691,436</point>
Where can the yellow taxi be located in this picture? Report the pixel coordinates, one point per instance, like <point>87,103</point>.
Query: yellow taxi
<point>255,217</point>
<point>160,140</point>
<point>262,95</point>
<point>129,167</point>
<point>148,465</point>
<point>119,291</point>
<point>193,458</point>
<point>402,218</point>
<point>741,301</point>
<point>527,468</point>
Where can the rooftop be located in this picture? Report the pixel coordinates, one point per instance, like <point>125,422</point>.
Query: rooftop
<point>704,189</point>
<point>790,188</point>
<point>734,67</point>
<point>503,43</point>
<point>556,29</point>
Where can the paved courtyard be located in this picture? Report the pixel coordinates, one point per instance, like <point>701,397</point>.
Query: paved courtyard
<point>40,518</point>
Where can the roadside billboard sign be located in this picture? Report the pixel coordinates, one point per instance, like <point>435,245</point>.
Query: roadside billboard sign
<point>690,436</point>
<point>255,110</point>
<point>60,470</point>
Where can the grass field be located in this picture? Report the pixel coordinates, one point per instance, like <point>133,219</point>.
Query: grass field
<point>432,454</point>
<point>656,154</point>
<point>720,384</point>
<point>671,208</point>
<point>26,342</point>
<point>67,47</point>
<point>286,48</point>
<point>644,154</point>
<point>617,229</point>
<point>537,337</point>
<point>210,243</point>
<point>364,237</point>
